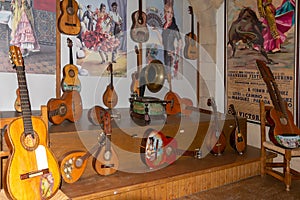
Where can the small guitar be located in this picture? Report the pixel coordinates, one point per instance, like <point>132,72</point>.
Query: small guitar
<point>279,117</point>
<point>70,79</point>
<point>74,163</point>
<point>67,107</point>
<point>106,161</point>
<point>139,31</point>
<point>17,104</point>
<point>217,141</point>
<point>157,150</point>
<point>190,48</point>
<point>32,171</point>
<point>134,88</point>
<point>174,106</point>
<point>68,21</point>
<point>237,140</point>
<point>110,97</point>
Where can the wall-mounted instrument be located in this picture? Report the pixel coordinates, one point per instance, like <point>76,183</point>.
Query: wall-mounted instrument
<point>32,171</point>
<point>191,48</point>
<point>70,79</point>
<point>139,31</point>
<point>68,21</point>
<point>237,140</point>
<point>135,85</point>
<point>110,97</point>
<point>279,117</point>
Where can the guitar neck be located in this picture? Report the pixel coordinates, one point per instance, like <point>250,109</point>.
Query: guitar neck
<point>192,24</point>
<point>281,105</point>
<point>201,110</point>
<point>140,8</point>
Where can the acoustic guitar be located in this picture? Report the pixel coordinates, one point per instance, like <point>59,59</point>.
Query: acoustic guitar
<point>158,150</point>
<point>106,161</point>
<point>32,171</point>
<point>139,31</point>
<point>174,106</point>
<point>68,21</point>
<point>110,97</point>
<point>70,80</point>
<point>217,142</point>
<point>279,117</point>
<point>134,88</point>
<point>190,49</point>
<point>67,107</point>
<point>237,140</point>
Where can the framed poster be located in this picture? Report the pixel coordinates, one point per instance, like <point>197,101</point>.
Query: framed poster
<point>33,29</point>
<point>259,31</point>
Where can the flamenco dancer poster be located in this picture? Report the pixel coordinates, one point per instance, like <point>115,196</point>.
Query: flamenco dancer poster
<point>272,25</point>
<point>102,38</point>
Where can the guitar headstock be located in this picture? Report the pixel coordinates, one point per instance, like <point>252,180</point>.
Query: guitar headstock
<point>191,12</point>
<point>211,102</point>
<point>136,49</point>
<point>265,71</point>
<point>16,56</point>
<point>69,42</point>
<point>110,68</point>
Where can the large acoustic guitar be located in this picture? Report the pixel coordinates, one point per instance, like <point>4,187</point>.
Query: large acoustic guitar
<point>174,106</point>
<point>67,107</point>
<point>217,142</point>
<point>68,21</point>
<point>237,140</point>
<point>139,31</point>
<point>279,117</point>
<point>106,161</point>
<point>190,48</point>
<point>110,97</point>
<point>158,150</point>
<point>32,171</point>
<point>70,80</point>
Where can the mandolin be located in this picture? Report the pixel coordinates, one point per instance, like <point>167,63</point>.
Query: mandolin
<point>279,117</point>
<point>158,150</point>
<point>174,106</point>
<point>67,107</point>
<point>32,171</point>
<point>237,140</point>
<point>70,79</point>
<point>110,97</point>
<point>190,48</point>
<point>106,161</point>
<point>134,88</point>
<point>68,21</point>
<point>17,103</point>
<point>139,31</point>
<point>217,142</point>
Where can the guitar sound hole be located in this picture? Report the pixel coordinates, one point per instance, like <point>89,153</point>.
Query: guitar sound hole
<point>283,120</point>
<point>62,110</point>
<point>30,141</point>
<point>71,73</point>
<point>70,10</point>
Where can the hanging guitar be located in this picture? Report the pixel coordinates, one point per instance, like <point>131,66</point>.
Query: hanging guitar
<point>190,48</point>
<point>139,31</point>
<point>279,117</point>
<point>70,79</point>
<point>134,88</point>
<point>237,140</point>
<point>110,97</point>
<point>32,171</point>
<point>158,150</point>
<point>174,106</point>
<point>106,161</point>
<point>67,107</point>
<point>217,142</point>
<point>68,21</point>
<point>74,163</point>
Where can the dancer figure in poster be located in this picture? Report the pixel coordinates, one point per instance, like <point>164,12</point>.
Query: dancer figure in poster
<point>116,27</point>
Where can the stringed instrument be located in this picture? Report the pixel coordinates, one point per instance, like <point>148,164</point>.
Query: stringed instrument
<point>217,142</point>
<point>17,104</point>
<point>74,163</point>
<point>139,31</point>
<point>134,88</point>
<point>32,171</point>
<point>70,80</point>
<point>190,48</point>
<point>68,21</point>
<point>67,107</point>
<point>110,97</point>
<point>174,106</point>
<point>158,150</point>
<point>237,140</point>
<point>106,161</point>
<point>279,117</point>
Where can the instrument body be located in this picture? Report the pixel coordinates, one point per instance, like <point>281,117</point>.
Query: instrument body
<point>174,106</point>
<point>190,48</point>
<point>135,85</point>
<point>32,171</point>
<point>68,21</point>
<point>67,107</point>
<point>110,97</point>
<point>139,31</point>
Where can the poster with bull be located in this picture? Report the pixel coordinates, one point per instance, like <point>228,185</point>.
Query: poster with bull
<point>263,30</point>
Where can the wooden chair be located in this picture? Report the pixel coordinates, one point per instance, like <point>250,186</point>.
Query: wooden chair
<point>268,165</point>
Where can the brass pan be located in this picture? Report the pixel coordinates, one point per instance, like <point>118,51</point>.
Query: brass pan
<point>154,75</point>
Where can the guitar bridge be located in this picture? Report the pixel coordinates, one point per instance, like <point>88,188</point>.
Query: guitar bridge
<point>34,174</point>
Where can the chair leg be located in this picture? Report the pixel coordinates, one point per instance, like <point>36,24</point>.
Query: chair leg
<point>287,170</point>
<point>263,161</point>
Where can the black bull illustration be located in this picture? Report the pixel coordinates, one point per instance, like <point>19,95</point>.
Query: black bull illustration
<point>248,29</point>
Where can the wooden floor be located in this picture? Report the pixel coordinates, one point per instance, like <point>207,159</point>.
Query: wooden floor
<point>250,189</point>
